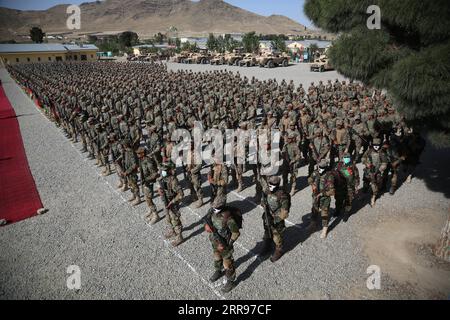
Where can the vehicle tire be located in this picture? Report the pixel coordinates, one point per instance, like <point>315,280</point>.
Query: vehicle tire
<point>237,62</point>
<point>270,64</point>
<point>203,61</point>
<point>322,69</point>
<point>248,64</point>
<point>285,63</point>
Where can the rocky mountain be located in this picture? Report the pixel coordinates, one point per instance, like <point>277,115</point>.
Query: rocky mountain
<point>147,17</point>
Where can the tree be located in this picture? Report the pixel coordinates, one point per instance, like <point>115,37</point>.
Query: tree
<point>279,44</point>
<point>408,56</point>
<point>128,39</point>
<point>92,39</point>
<point>159,38</point>
<point>212,43</point>
<point>37,35</point>
<point>250,42</point>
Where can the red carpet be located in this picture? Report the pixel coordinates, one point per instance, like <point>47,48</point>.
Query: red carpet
<point>19,198</point>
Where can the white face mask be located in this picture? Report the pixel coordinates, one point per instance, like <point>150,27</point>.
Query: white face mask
<point>217,210</point>
<point>164,174</point>
<point>376,148</point>
<point>272,187</point>
<point>321,170</point>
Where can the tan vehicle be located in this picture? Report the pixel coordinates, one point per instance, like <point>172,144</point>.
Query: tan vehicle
<point>249,60</point>
<point>178,58</point>
<point>234,58</point>
<point>273,59</point>
<point>202,57</point>
<point>322,64</point>
<point>218,59</point>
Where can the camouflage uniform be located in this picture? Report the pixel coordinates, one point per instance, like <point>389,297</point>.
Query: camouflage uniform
<point>346,184</point>
<point>171,194</point>
<point>130,170</point>
<point>149,173</point>
<point>323,189</point>
<point>277,205</point>
<point>218,179</point>
<point>222,240</point>
<point>376,163</point>
<point>292,156</point>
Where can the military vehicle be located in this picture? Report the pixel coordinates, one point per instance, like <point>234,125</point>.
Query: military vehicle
<point>273,59</point>
<point>234,57</point>
<point>218,59</point>
<point>178,58</point>
<point>321,64</point>
<point>249,60</point>
<point>202,57</point>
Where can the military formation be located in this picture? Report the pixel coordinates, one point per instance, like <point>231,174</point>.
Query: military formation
<point>124,115</point>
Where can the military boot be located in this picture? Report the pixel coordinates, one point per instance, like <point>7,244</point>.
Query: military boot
<point>216,276</point>
<point>277,254</point>
<point>178,240</point>
<point>230,283</point>
<point>392,190</point>
<point>84,150</point>
<point>120,185</point>
<point>154,218</point>
<point>125,187</point>
<point>170,234</point>
<point>409,178</point>
<point>137,201</point>
<point>324,233</point>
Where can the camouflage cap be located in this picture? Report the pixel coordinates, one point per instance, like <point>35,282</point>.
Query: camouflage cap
<point>274,180</point>
<point>376,141</point>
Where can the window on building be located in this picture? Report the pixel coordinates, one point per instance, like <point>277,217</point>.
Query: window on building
<point>49,58</point>
<point>17,60</point>
<point>39,59</point>
<point>92,56</point>
<point>83,57</point>
<point>28,59</point>
<point>59,59</point>
<point>75,58</point>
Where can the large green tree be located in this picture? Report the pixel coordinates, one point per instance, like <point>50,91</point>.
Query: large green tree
<point>128,39</point>
<point>37,35</point>
<point>409,56</point>
<point>250,41</point>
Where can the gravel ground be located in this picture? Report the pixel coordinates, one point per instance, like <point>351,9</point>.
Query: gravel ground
<point>91,225</point>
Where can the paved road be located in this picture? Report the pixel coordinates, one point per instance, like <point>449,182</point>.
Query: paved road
<point>91,225</point>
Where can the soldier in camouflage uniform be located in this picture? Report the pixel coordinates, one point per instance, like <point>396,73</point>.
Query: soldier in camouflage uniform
<point>276,203</point>
<point>346,185</point>
<point>292,156</point>
<point>319,150</point>
<point>223,233</point>
<point>171,194</point>
<point>103,149</point>
<point>149,174</point>
<point>218,180</point>
<point>375,161</point>
<point>130,170</point>
<point>194,177</point>
<point>322,182</point>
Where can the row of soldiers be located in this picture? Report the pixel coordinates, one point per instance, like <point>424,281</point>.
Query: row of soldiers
<point>124,115</point>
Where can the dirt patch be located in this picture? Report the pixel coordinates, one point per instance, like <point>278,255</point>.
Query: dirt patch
<point>401,245</point>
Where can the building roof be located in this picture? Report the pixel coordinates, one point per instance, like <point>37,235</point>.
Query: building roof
<point>44,47</point>
<point>32,47</point>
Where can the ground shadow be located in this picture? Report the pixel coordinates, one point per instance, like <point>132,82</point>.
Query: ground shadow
<point>254,265</point>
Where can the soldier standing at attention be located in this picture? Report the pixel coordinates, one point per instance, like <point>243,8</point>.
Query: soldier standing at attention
<point>194,177</point>
<point>322,183</point>
<point>347,186</point>
<point>130,169</point>
<point>218,179</point>
<point>276,204</point>
<point>375,161</point>
<point>292,157</point>
<point>149,173</point>
<point>171,195</point>
<point>223,226</point>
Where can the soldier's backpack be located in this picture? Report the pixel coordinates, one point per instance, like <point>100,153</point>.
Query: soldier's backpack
<point>236,214</point>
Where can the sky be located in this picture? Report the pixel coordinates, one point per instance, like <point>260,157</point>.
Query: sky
<point>290,8</point>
